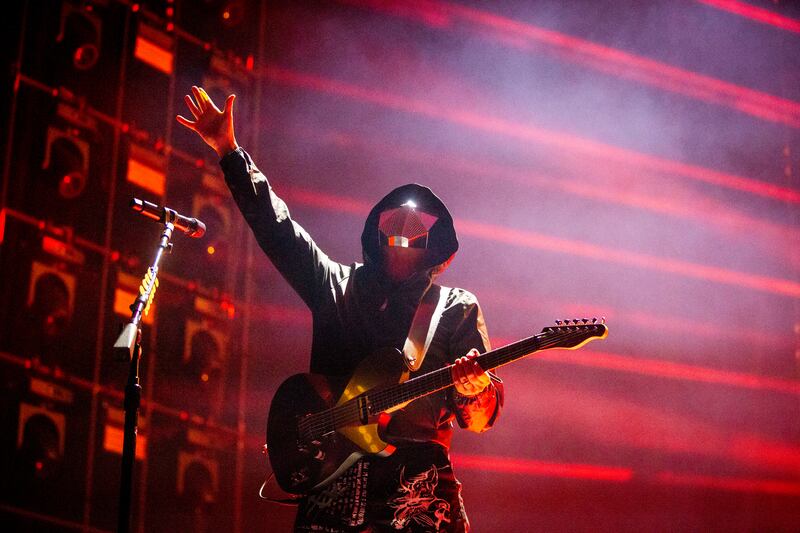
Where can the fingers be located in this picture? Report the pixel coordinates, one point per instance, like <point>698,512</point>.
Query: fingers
<point>468,377</point>
<point>192,107</point>
<point>209,102</point>
<point>459,373</point>
<point>459,377</point>
<point>202,101</point>
<point>476,376</point>
<point>186,122</point>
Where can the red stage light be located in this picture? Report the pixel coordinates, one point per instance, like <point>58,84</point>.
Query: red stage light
<point>155,48</point>
<point>146,169</point>
<point>766,486</point>
<point>528,132</point>
<point>758,14</point>
<point>672,370</point>
<point>606,59</point>
<point>515,465</point>
<point>540,241</point>
<point>608,185</point>
<point>85,57</point>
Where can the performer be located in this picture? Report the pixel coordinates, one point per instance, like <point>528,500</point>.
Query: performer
<point>408,240</point>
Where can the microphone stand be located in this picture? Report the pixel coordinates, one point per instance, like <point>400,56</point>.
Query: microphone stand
<point>128,347</point>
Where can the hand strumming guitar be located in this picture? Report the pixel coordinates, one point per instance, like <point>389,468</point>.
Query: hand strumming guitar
<point>215,127</point>
<point>469,378</point>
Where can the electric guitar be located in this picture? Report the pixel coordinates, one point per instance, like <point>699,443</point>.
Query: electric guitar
<point>318,426</point>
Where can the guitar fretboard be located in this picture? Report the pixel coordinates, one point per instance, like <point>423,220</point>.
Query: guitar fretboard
<point>436,380</point>
<point>401,393</point>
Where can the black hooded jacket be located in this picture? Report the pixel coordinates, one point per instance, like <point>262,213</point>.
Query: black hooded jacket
<point>356,311</point>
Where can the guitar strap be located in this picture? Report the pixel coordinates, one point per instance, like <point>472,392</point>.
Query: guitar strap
<point>423,326</point>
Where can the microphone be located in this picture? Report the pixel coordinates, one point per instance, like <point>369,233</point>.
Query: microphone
<point>190,226</point>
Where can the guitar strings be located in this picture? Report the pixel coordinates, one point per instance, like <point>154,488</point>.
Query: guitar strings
<point>318,424</point>
<point>329,419</point>
<point>421,383</point>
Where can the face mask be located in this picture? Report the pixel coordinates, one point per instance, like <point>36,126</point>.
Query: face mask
<point>403,232</point>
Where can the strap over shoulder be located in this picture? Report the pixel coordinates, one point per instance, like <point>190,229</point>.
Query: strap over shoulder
<point>423,327</point>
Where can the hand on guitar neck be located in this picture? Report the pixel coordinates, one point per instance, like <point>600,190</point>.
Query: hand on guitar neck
<point>468,376</point>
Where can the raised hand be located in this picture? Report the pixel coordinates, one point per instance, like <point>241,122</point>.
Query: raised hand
<point>468,376</point>
<point>215,127</point>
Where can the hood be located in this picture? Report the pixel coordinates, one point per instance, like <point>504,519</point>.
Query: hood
<point>442,241</point>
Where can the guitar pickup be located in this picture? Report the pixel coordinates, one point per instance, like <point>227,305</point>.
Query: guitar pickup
<point>363,409</point>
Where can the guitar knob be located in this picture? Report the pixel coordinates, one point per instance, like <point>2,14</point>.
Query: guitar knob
<point>300,476</point>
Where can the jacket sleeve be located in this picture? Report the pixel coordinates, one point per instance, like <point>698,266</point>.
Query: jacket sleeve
<point>477,413</point>
<point>290,248</point>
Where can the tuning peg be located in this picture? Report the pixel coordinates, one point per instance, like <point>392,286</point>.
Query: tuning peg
<point>603,320</point>
<point>558,322</point>
<point>566,321</point>
<point>585,320</point>
<point>594,320</point>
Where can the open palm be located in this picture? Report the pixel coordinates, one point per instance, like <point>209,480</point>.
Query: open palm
<point>215,127</point>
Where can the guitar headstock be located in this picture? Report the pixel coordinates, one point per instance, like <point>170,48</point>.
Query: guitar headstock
<point>572,334</point>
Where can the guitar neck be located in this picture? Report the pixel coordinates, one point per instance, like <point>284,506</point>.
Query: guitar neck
<point>564,335</point>
<point>437,380</point>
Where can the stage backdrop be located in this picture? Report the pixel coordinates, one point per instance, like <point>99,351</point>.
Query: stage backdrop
<point>636,161</point>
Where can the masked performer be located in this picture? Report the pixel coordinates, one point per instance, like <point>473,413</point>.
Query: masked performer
<point>408,240</point>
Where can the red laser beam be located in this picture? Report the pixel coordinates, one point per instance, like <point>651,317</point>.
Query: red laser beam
<point>540,241</point>
<point>671,370</point>
<point>530,133</point>
<point>300,317</point>
<point>531,303</point>
<point>615,474</point>
<point>644,69</point>
<point>735,484</point>
<point>608,185</point>
<point>530,467</point>
<point>757,14</point>
<point>590,415</point>
<point>606,59</point>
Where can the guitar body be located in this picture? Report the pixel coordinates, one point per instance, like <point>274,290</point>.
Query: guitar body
<point>303,460</point>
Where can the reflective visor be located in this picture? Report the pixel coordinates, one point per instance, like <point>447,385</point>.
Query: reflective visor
<point>405,227</point>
